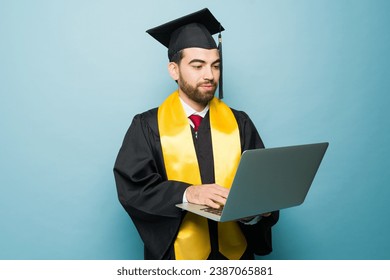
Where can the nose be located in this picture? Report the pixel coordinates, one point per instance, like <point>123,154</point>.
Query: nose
<point>208,74</point>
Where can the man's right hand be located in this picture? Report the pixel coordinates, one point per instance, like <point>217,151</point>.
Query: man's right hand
<point>211,195</point>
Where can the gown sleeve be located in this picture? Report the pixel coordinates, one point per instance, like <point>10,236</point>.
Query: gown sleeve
<point>143,189</point>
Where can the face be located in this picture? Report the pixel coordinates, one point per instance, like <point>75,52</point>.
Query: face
<point>197,75</point>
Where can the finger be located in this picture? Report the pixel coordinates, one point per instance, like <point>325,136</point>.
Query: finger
<point>221,191</point>
<point>212,204</point>
<point>266,214</point>
<point>218,199</point>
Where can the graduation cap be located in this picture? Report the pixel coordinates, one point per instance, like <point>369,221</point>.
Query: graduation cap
<point>191,31</point>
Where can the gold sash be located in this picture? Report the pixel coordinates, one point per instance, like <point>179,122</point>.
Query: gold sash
<point>181,164</point>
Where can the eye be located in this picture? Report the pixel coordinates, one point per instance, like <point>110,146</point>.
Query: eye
<point>196,66</point>
<point>216,66</point>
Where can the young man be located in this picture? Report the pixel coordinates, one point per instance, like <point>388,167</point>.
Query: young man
<point>167,157</point>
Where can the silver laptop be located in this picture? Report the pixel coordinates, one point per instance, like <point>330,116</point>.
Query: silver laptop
<point>267,180</point>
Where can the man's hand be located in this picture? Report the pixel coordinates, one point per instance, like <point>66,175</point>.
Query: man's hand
<point>254,219</point>
<point>266,214</point>
<point>211,195</point>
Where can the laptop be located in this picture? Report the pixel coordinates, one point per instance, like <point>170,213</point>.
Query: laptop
<point>267,180</point>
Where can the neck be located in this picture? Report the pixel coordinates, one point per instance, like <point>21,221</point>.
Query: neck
<point>193,104</point>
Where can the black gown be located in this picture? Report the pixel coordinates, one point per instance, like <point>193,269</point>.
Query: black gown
<point>149,198</point>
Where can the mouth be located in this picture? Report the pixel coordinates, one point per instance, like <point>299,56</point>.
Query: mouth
<point>207,86</point>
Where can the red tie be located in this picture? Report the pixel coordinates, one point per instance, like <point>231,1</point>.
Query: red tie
<point>196,119</point>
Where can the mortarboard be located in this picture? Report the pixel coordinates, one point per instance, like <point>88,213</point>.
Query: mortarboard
<point>193,30</point>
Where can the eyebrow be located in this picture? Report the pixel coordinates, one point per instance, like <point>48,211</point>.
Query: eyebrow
<point>202,61</point>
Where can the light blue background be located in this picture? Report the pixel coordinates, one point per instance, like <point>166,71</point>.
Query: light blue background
<point>74,73</point>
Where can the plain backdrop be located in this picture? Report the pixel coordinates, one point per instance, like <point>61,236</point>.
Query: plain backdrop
<point>74,73</point>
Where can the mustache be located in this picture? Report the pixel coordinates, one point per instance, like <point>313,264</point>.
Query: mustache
<point>208,83</point>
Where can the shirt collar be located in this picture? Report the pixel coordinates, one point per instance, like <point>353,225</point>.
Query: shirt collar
<point>190,111</point>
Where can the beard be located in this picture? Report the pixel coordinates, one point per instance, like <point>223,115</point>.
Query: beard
<point>201,97</point>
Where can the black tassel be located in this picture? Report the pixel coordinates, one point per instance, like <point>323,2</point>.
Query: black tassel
<point>220,65</point>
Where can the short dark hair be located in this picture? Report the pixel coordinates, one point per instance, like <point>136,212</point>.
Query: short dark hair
<point>177,57</point>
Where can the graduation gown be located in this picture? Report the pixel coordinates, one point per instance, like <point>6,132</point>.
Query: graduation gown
<point>149,198</point>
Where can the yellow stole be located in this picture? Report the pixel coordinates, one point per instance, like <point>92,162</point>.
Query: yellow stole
<point>181,164</point>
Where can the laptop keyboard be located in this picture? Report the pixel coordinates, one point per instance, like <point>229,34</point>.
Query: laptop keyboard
<point>213,210</point>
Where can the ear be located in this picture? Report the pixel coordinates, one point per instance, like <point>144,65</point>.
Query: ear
<point>173,70</point>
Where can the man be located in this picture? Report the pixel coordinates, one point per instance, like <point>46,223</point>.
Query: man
<point>167,157</point>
